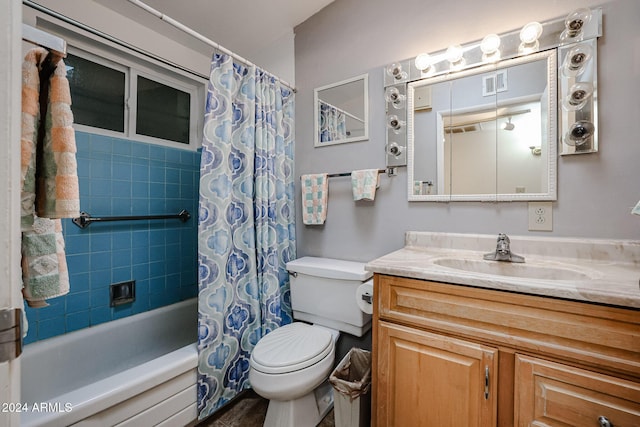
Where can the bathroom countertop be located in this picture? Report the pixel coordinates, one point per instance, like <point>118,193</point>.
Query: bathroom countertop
<point>610,269</point>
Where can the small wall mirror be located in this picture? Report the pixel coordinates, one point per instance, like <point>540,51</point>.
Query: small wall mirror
<point>341,112</point>
<point>486,134</point>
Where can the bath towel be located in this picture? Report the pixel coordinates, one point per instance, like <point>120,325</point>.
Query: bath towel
<point>364,183</point>
<point>315,193</point>
<point>47,156</point>
<point>44,266</point>
<point>57,181</point>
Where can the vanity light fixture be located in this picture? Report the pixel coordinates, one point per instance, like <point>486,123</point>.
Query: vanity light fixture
<point>529,36</point>
<point>507,125</point>
<point>574,24</point>
<point>490,47</point>
<point>576,60</point>
<point>455,57</point>
<point>578,96</point>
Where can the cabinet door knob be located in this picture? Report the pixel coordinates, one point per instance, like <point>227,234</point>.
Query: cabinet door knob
<point>604,422</point>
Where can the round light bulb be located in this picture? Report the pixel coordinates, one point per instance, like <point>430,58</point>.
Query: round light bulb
<point>490,44</point>
<point>454,53</point>
<point>423,61</point>
<point>575,21</point>
<point>578,96</point>
<point>393,96</point>
<point>531,32</point>
<point>395,70</point>
<point>580,92</point>
<point>576,60</point>
<point>579,133</point>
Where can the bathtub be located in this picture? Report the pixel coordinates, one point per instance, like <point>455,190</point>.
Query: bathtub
<point>139,370</point>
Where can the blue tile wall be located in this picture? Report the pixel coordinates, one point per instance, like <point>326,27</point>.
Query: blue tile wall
<point>121,177</point>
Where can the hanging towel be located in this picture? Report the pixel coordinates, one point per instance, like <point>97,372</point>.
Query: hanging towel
<point>44,267</point>
<point>315,192</point>
<point>364,183</point>
<point>58,194</point>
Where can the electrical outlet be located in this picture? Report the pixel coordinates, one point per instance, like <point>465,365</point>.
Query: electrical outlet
<point>540,216</point>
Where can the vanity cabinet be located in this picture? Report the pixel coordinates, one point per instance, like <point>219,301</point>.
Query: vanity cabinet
<point>427,379</point>
<point>456,355</point>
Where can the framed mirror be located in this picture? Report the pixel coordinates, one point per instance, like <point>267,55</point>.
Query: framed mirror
<point>484,134</point>
<point>341,112</point>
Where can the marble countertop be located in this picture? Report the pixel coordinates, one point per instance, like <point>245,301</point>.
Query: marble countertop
<point>589,270</point>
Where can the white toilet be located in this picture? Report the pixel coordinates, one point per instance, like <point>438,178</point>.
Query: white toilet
<point>290,366</point>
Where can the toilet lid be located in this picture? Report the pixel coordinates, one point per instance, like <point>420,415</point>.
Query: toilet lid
<point>290,348</point>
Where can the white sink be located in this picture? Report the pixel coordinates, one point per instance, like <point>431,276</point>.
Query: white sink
<point>523,270</point>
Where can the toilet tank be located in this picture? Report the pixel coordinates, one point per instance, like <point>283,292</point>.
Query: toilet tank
<point>323,292</point>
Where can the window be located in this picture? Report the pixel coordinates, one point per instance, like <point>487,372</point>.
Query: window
<point>162,111</point>
<point>133,100</point>
<point>98,93</point>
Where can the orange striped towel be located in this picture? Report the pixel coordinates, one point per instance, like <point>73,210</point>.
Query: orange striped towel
<point>44,266</point>
<point>58,190</point>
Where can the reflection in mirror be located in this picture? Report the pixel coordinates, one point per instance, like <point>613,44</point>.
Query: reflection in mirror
<point>487,134</point>
<point>341,112</point>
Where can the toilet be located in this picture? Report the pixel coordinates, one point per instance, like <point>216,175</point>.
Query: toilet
<point>290,366</point>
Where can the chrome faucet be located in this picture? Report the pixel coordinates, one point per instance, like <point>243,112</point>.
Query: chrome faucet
<point>503,251</point>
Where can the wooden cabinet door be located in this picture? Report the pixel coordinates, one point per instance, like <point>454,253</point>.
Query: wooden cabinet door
<point>551,394</point>
<point>427,380</point>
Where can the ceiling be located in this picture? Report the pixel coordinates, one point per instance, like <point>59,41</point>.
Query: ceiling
<point>242,26</point>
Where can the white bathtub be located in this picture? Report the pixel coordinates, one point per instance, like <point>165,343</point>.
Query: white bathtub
<point>139,370</point>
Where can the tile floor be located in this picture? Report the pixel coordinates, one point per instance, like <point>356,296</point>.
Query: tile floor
<point>249,411</point>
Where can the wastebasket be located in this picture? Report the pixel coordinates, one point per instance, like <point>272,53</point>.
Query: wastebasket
<point>351,381</point>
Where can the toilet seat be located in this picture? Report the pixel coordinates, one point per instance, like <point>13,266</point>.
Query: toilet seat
<point>291,348</point>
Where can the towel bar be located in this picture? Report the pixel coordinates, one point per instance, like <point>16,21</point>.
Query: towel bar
<point>391,171</point>
<point>84,220</point>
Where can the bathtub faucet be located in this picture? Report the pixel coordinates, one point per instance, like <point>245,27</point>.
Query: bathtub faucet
<point>503,251</point>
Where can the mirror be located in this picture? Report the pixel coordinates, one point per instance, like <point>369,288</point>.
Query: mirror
<point>486,134</point>
<point>341,112</point>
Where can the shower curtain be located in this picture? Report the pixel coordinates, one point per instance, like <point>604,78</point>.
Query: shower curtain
<point>246,228</point>
<point>332,123</point>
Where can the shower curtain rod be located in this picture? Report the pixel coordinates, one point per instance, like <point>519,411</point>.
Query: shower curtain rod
<point>169,20</point>
<point>112,39</point>
<point>346,113</point>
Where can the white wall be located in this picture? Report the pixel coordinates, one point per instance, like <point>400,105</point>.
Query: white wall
<point>278,59</point>
<point>350,37</point>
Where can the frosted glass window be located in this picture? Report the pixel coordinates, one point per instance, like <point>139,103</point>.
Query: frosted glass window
<point>97,94</point>
<point>162,111</point>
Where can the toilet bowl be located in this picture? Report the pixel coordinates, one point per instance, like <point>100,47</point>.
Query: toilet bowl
<point>290,365</point>
<point>287,366</point>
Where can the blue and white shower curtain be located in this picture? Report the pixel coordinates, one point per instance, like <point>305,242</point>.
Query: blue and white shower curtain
<point>246,228</point>
<point>332,123</point>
